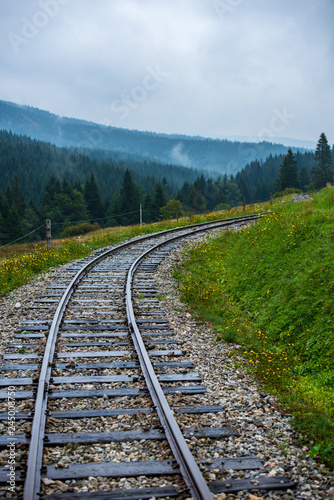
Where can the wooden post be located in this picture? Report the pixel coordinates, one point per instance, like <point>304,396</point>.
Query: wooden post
<point>48,233</point>
<point>141,214</point>
<point>244,203</point>
<point>271,199</point>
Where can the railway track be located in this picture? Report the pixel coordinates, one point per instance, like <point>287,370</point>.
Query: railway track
<point>100,375</point>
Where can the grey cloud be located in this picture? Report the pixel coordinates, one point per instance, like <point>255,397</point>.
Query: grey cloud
<point>226,73</point>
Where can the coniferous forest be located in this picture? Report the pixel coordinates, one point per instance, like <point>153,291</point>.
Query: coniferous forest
<point>40,181</point>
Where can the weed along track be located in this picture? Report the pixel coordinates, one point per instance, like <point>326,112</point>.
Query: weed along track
<point>106,403</point>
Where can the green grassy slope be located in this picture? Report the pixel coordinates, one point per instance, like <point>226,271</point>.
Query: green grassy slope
<point>270,289</point>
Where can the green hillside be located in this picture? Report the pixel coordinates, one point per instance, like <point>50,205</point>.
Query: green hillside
<point>269,290</point>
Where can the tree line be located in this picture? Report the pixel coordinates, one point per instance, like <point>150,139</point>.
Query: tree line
<point>70,203</point>
<point>305,171</point>
<point>69,200</point>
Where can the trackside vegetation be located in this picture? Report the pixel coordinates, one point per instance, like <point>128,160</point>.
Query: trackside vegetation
<point>20,263</point>
<point>269,291</point>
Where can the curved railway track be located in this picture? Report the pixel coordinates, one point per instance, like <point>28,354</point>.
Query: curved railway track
<point>107,356</point>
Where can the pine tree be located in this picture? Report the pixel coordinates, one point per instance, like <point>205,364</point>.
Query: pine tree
<point>159,200</point>
<point>183,195</point>
<point>219,198</point>
<point>31,221</point>
<point>129,200</point>
<point>114,210</point>
<point>51,189</point>
<point>208,193</point>
<point>233,193</point>
<point>4,209</point>
<point>244,186</point>
<point>17,196</point>
<point>322,173</point>
<point>148,208</point>
<point>287,177</point>
<point>196,199</point>
<point>93,198</point>
<point>13,224</point>
<point>165,188</point>
<point>303,178</point>
<point>78,207</point>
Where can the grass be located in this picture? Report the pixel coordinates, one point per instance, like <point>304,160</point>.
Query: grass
<point>270,289</point>
<point>21,262</point>
<point>18,270</point>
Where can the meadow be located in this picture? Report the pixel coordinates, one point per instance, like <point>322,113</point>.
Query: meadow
<point>268,290</point>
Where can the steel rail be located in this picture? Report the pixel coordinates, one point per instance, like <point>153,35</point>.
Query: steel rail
<point>35,452</point>
<point>190,471</point>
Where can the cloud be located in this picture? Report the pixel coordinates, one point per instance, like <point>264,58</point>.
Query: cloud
<point>227,73</point>
<point>179,157</point>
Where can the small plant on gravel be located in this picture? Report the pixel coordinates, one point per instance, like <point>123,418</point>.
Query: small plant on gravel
<point>284,448</point>
<point>229,336</point>
<point>71,447</point>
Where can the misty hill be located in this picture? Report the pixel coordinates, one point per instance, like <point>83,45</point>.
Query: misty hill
<point>212,155</point>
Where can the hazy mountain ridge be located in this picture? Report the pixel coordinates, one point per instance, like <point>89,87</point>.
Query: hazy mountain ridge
<point>213,155</point>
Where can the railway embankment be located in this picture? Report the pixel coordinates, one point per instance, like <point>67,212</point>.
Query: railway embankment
<point>267,292</point>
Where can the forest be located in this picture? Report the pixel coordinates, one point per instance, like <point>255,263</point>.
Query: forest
<point>80,193</point>
<point>34,161</point>
<point>310,170</point>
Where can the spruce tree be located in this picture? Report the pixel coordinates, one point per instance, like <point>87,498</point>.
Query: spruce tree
<point>13,225</point>
<point>287,177</point>
<point>208,193</point>
<point>51,189</point>
<point>196,199</point>
<point>159,200</point>
<point>93,198</point>
<point>17,196</point>
<point>322,173</point>
<point>303,178</point>
<point>114,210</point>
<point>31,221</point>
<point>129,200</point>
<point>4,208</point>
<point>147,208</point>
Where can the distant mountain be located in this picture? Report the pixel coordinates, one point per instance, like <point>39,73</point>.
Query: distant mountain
<point>286,141</point>
<point>212,155</point>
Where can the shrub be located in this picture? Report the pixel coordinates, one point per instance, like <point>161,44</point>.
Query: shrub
<point>82,228</point>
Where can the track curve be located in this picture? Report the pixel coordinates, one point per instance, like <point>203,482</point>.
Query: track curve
<point>194,481</point>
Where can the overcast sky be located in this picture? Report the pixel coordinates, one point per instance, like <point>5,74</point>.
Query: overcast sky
<point>216,68</point>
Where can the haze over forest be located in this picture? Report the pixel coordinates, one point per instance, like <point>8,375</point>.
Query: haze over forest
<point>74,183</point>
